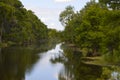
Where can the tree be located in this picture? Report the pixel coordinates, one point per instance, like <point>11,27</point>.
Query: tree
<point>20,25</point>
<point>6,14</point>
<point>111,29</point>
<point>113,4</point>
<point>89,33</point>
<point>66,15</point>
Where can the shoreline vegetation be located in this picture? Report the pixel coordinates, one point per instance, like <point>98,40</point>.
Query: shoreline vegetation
<point>93,60</point>
<point>19,26</point>
<point>94,30</point>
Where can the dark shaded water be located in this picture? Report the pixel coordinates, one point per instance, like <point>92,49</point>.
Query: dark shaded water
<point>53,63</point>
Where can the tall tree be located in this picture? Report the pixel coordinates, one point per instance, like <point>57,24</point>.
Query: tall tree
<point>66,15</point>
<point>20,25</point>
<point>5,15</point>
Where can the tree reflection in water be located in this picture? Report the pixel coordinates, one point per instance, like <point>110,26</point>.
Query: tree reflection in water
<point>74,69</point>
<point>15,61</point>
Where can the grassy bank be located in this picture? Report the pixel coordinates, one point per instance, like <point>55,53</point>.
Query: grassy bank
<point>101,61</point>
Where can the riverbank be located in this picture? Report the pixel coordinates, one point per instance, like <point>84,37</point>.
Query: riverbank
<point>94,61</point>
<point>73,47</point>
<point>101,60</point>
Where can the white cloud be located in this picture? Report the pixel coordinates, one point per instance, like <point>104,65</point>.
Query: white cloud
<point>63,0</point>
<point>52,24</point>
<point>44,19</point>
<point>50,16</point>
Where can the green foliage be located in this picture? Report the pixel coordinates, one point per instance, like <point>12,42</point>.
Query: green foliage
<point>95,28</point>
<point>66,15</point>
<point>113,4</point>
<point>20,25</point>
<point>54,35</point>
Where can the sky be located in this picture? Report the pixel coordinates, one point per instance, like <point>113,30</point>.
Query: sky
<point>48,10</point>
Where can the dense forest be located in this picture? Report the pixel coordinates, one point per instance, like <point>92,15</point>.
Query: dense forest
<point>88,48</point>
<point>19,25</point>
<point>95,29</point>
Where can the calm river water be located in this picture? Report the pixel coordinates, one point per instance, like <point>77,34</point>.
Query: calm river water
<point>55,63</point>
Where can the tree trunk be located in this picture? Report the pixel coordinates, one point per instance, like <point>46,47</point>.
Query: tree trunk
<point>95,52</point>
<point>111,50</point>
<point>1,32</point>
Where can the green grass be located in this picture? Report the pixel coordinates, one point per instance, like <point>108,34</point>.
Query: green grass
<point>96,61</point>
